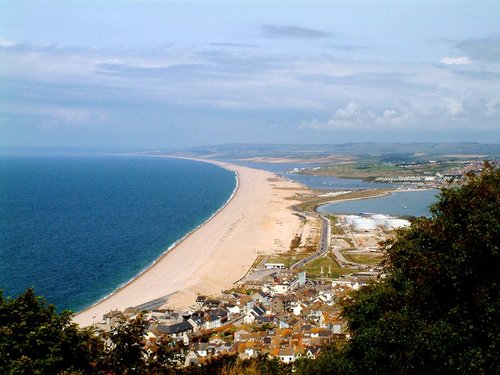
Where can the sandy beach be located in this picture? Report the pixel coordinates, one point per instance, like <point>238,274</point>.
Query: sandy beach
<point>212,258</point>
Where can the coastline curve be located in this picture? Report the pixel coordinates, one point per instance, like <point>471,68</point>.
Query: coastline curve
<point>218,252</point>
<point>174,245</point>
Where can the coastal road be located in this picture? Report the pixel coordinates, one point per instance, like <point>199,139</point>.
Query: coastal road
<point>324,244</point>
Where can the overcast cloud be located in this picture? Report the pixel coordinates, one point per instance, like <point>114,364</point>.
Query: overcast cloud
<point>184,74</point>
<point>293,32</point>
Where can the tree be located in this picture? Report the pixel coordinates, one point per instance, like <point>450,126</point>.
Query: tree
<point>165,356</point>
<point>125,351</point>
<point>35,339</point>
<point>438,309</point>
<point>332,360</point>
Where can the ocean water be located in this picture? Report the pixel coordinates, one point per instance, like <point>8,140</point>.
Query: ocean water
<point>76,228</point>
<point>414,203</point>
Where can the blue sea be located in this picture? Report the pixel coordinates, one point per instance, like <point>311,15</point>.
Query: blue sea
<point>77,227</point>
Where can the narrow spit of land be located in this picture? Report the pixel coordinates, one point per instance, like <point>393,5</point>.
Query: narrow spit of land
<point>257,219</point>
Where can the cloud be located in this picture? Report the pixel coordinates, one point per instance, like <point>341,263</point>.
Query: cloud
<point>177,72</point>
<point>454,106</point>
<point>392,117</point>
<point>487,49</point>
<point>352,117</point>
<point>235,45</point>
<point>292,32</point>
<point>74,115</point>
<point>6,43</point>
<point>54,116</point>
<point>462,60</point>
<point>480,75</point>
<point>346,47</point>
<point>319,91</point>
<point>439,114</point>
<point>350,110</point>
<point>348,117</point>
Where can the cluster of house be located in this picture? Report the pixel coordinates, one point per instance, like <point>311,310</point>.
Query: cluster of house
<point>286,318</point>
<point>407,178</point>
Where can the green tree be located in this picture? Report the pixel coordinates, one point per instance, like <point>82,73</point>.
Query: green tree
<point>35,339</point>
<point>125,350</point>
<point>438,310</point>
<point>164,356</point>
<point>332,360</point>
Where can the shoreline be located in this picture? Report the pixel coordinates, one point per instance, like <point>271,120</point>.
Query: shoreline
<point>183,271</point>
<point>380,195</point>
<point>176,243</point>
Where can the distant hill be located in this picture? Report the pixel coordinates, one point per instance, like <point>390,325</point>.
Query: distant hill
<point>249,151</point>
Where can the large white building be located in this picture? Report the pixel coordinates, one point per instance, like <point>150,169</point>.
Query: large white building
<point>396,223</point>
<point>364,224</point>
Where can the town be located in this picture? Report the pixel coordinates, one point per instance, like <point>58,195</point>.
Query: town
<point>287,306</point>
<point>413,174</point>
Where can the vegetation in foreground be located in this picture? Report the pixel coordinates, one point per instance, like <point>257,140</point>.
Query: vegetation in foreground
<point>436,312</point>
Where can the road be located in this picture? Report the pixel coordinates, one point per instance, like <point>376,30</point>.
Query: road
<point>324,244</point>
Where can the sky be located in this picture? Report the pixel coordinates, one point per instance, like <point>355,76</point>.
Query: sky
<point>145,74</point>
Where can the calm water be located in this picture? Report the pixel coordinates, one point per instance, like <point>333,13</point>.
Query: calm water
<point>75,228</point>
<point>313,182</point>
<point>334,183</point>
<point>415,203</point>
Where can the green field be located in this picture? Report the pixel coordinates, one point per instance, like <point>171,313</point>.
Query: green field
<point>313,269</point>
<point>371,259</point>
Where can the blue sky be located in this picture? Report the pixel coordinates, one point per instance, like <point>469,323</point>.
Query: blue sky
<point>163,74</point>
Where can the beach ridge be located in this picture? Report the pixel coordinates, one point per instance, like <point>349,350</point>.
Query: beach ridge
<point>173,246</point>
<point>229,242</point>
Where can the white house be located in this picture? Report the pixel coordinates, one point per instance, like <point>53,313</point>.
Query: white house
<point>232,310</point>
<point>280,288</point>
<point>286,355</point>
<point>250,316</point>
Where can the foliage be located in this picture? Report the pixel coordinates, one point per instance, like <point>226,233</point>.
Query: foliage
<point>262,364</point>
<point>164,356</point>
<point>230,364</point>
<point>125,349</point>
<point>331,361</point>
<point>34,339</point>
<point>438,309</point>
<point>213,365</point>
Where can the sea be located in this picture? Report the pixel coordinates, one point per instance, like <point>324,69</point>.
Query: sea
<point>75,228</point>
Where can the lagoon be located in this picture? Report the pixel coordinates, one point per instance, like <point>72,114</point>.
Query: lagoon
<point>400,203</point>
